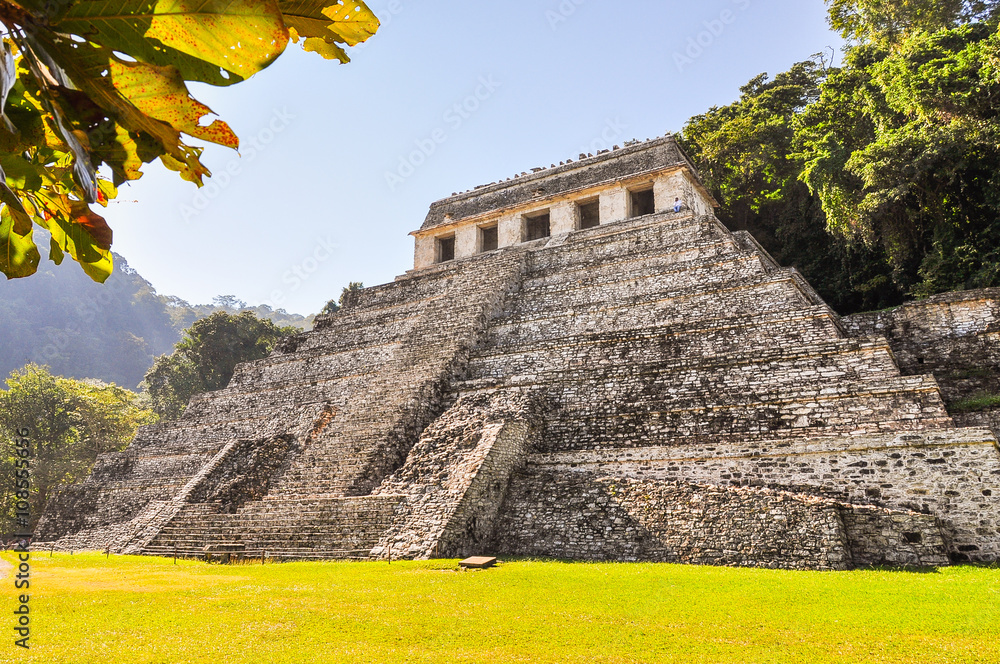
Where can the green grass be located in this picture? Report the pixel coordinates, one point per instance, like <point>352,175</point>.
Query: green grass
<point>142,610</point>
<point>975,403</point>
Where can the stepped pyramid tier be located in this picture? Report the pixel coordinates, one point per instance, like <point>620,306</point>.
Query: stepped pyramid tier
<point>584,363</point>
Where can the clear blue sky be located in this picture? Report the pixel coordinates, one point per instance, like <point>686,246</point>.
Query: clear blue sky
<point>308,207</point>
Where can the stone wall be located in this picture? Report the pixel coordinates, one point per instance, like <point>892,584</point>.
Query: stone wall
<point>953,474</point>
<point>585,516</point>
<point>954,336</point>
<point>880,537</point>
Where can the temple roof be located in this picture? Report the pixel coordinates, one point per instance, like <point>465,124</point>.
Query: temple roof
<point>606,167</point>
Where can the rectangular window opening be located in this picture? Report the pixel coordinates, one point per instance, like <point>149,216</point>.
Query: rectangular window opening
<point>537,227</point>
<point>446,249</point>
<point>590,214</point>
<point>489,238</point>
<point>642,202</point>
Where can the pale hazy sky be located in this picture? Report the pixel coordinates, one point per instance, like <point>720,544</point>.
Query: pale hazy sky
<point>338,163</point>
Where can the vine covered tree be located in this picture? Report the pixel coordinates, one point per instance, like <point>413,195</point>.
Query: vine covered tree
<point>903,151</point>
<point>86,83</point>
<point>891,21</point>
<point>878,179</point>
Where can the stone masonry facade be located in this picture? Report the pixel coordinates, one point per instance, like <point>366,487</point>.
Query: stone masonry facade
<point>584,363</point>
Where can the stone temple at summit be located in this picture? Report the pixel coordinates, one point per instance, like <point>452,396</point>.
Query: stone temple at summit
<point>576,369</point>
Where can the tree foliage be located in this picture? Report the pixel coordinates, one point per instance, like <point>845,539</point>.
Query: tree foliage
<point>878,179</point>
<point>333,306</point>
<point>891,21</point>
<point>70,422</point>
<point>86,83</point>
<point>205,359</point>
<point>743,151</point>
<point>903,149</point>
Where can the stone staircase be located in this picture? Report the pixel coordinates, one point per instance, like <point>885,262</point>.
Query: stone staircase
<point>318,528</point>
<point>380,392</point>
<point>657,349</point>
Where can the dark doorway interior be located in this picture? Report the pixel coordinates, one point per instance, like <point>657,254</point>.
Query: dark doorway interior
<point>535,228</point>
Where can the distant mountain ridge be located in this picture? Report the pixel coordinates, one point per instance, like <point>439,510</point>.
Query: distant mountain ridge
<point>112,331</point>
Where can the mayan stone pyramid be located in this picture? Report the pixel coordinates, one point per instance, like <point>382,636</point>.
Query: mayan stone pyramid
<point>572,369</point>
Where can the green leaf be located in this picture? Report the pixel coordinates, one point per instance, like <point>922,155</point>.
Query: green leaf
<point>197,36</point>
<point>18,254</point>
<point>21,173</point>
<point>160,93</point>
<point>86,237</point>
<point>20,220</point>
<point>83,170</point>
<point>121,154</point>
<point>351,21</point>
<point>324,25</point>
<point>55,251</point>
<point>104,82</point>
<point>86,64</point>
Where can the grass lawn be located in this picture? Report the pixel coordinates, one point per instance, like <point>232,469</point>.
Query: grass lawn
<point>134,610</point>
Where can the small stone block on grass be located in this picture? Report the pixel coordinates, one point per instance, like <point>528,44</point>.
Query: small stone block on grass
<point>478,562</point>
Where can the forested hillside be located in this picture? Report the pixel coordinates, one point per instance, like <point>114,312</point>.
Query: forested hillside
<point>112,331</point>
<point>878,178</point>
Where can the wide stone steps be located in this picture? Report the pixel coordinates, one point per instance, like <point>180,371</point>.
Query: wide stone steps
<point>397,378</point>
<point>703,275</point>
<point>374,333</point>
<point>313,527</point>
<point>636,358</point>
<point>706,337</point>
<point>274,396</point>
<point>636,436</point>
<point>166,484</point>
<point>766,295</point>
<point>872,410</point>
<point>173,438</point>
<point>309,367</point>
<point>275,554</point>
<point>717,273</point>
<point>402,291</point>
<point>623,239</point>
<point>632,266</point>
<point>347,318</point>
<point>625,397</point>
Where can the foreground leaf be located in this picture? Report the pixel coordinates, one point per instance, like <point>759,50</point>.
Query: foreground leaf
<point>324,27</point>
<point>18,254</point>
<point>160,93</point>
<point>86,83</point>
<point>199,37</point>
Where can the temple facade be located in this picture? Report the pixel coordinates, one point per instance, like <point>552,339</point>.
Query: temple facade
<point>583,363</point>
